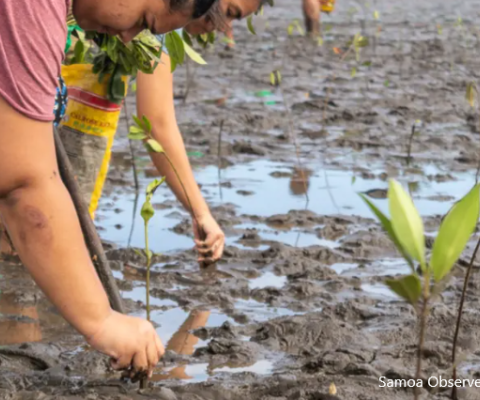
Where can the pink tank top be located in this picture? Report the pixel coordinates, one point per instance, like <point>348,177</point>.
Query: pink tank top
<point>32,42</point>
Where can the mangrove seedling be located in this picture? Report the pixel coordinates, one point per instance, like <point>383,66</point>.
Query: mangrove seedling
<point>147,214</point>
<point>405,229</point>
<point>142,130</point>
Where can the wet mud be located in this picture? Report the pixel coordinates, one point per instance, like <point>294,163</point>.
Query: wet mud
<point>298,301</point>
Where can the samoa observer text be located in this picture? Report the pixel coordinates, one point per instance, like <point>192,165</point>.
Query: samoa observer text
<point>433,381</point>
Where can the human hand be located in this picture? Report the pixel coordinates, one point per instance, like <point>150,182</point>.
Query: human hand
<point>209,239</point>
<point>130,342</point>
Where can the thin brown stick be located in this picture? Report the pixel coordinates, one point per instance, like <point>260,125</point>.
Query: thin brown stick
<point>132,151</point>
<point>92,240</point>
<point>421,342</point>
<point>459,316</point>
<point>295,143</point>
<point>329,90</point>
<point>409,146</point>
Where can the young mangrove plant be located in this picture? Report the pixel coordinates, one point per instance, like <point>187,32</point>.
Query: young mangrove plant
<point>147,214</point>
<point>405,229</point>
<point>142,130</point>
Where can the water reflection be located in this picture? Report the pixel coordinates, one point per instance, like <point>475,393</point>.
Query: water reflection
<point>18,323</point>
<point>300,181</point>
<point>184,342</point>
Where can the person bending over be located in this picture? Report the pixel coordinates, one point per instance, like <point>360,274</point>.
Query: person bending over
<point>35,206</point>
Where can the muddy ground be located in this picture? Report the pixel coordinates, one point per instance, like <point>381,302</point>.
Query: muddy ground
<point>298,302</point>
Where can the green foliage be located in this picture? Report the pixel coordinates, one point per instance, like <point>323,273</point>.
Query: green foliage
<point>455,230</point>
<point>408,288</point>
<point>405,229</point>
<point>471,93</point>
<point>117,60</point>
<point>193,54</point>
<point>176,50</point>
<point>406,222</point>
<point>250,26</point>
<point>387,226</point>
<point>147,211</point>
<point>275,78</point>
<point>142,130</point>
<point>295,25</point>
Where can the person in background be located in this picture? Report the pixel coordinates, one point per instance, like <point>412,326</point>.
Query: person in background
<point>311,13</point>
<point>155,101</point>
<point>35,206</point>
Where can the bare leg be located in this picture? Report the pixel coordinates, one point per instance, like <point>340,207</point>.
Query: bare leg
<point>311,13</point>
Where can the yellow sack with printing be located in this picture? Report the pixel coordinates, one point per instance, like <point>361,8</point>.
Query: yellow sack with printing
<point>88,129</point>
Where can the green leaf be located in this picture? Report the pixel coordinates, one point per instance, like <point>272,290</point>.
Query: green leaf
<point>138,121</point>
<point>387,226</point>
<point>193,54</point>
<point>147,124</point>
<point>175,47</point>
<point>353,73</point>
<point>455,230</point>
<point>406,222</point>
<point>153,186</point>
<point>187,38</point>
<point>275,78</point>
<point>136,133</point>
<point>408,288</point>
<point>471,94</point>
<point>290,29</point>
<point>154,146</point>
<point>250,25</point>
<point>149,254</point>
<point>147,211</point>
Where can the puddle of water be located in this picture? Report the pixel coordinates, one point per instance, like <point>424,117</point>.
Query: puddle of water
<point>340,268</point>
<point>203,372</point>
<point>330,191</point>
<point>260,312</point>
<point>469,367</point>
<point>291,237</point>
<point>268,279</point>
<point>379,290</point>
<point>396,266</point>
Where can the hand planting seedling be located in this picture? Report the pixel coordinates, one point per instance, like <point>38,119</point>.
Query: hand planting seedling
<point>405,229</point>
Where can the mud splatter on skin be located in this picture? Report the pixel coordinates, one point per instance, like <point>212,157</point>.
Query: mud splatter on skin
<point>36,226</point>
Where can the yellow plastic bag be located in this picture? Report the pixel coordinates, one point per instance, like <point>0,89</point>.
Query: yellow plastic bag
<point>327,6</point>
<point>88,129</point>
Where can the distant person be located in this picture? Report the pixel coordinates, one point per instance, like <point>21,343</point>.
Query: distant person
<point>35,206</point>
<point>311,12</point>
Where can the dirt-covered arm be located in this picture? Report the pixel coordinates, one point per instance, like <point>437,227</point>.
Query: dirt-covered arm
<point>155,101</point>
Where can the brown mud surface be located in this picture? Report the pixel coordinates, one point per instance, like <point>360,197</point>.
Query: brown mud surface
<point>298,302</point>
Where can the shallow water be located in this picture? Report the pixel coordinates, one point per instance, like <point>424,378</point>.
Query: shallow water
<point>330,191</point>
<point>204,372</point>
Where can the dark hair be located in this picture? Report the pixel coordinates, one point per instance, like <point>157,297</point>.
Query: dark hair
<point>201,7</point>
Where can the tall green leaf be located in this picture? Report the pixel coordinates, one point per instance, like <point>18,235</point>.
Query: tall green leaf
<point>455,230</point>
<point>408,288</point>
<point>406,222</point>
<point>193,54</point>
<point>250,25</point>
<point>154,146</point>
<point>175,47</point>
<point>387,225</point>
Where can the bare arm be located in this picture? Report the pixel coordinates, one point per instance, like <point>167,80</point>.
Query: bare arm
<point>40,217</point>
<point>155,101</point>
